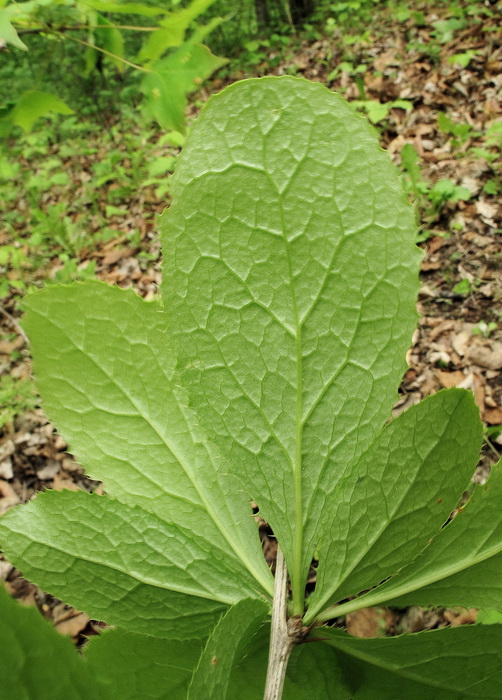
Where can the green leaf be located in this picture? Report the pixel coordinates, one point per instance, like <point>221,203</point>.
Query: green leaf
<point>38,662</point>
<point>161,165</point>
<point>463,564</point>
<point>172,32</point>
<point>489,617</point>
<point>462,287</point>
<point>127,8</point>
<point>35,104</point>
<point>410,161</point>
<point>126,418</point>
<point>375,110</point>
<point>172,79</point>
<point>111,40</point>
<point>8,32</point>
<point>116,384</point>
<point>289,324</point>
<point>313,673</point>
<point>126,566</point>
<point>447,664</point>
<point>136,666</point>
<point>225,649</point>
<point>421,462</point>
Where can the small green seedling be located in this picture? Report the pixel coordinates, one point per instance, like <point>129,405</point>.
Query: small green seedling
<point>378,111</point>
<point>485,329</point>
<point>460,132</point>
<point>463,59</point>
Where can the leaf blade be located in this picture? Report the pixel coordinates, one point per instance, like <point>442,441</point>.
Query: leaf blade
<point>135,665</point>
<point>462,565</point>
<point>399,494</point>
<point>117,402</point>
<point>127,566</point>
<point>225,648</point>
<point>265,323</point>
<point>442,664</point>
<point>28,649</point>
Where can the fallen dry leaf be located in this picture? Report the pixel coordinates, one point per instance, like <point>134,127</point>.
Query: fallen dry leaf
<point>489,356</point>
<point>369,622</point>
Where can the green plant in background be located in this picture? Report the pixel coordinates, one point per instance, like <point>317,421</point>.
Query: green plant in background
<point>463,287</point>
<point>460,132</point>
<point>463,59</point>
<point>378,111</point>
<point>445,29</point>
<point>490,151</point>
<point>485,329</point>
<point>431,198</point>
<point>446,191</point>
<point>266,375</point>
<point>14,258</point>
<point>16,397</point>
<point>92,177</point>
<point>168,79</point>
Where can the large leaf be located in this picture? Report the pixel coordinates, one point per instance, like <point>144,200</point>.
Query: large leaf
<point>126,419</point>
<point>37,662</point>
<point>126,565</point>
<point>462,565</point>
<point>289,289</point>
<point>450,664</point>
<point>136,666</point>
<point>268,375</point>
<point>224,650</point>
<point>313,673</point>
<point>398,494</point>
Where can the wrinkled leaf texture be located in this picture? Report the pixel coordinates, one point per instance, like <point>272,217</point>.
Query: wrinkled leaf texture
<point>267,373</point>
<point>448,664</point>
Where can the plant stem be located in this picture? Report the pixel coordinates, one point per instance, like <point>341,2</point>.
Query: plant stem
<point>46,29</point>
<point>108,53</point>
<point>281,641</point>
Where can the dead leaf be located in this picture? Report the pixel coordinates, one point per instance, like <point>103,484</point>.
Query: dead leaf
<point>369,622</point>
<point>60,483</point>
<point>7,448</point>
<point>6,471</point>
<point>493,416</point>
<point>68,621</point>
<point>475,383</point>
<point>8,497</point>
<point>486,356</point>
<point>463,617</point>
<point>449,379</point>
<point>461,341</point>
<point>7,347</point>
<point>117,254</point>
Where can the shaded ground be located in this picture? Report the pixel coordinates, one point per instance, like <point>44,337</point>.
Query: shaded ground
<point>458,341</point>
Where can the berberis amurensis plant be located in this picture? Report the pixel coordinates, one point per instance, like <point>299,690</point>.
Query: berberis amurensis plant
<point>265,375</point>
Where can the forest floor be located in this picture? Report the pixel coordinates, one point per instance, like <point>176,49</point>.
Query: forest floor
<point>437,68</point>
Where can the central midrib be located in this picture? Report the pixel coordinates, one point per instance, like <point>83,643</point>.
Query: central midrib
<point>296,573</point>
